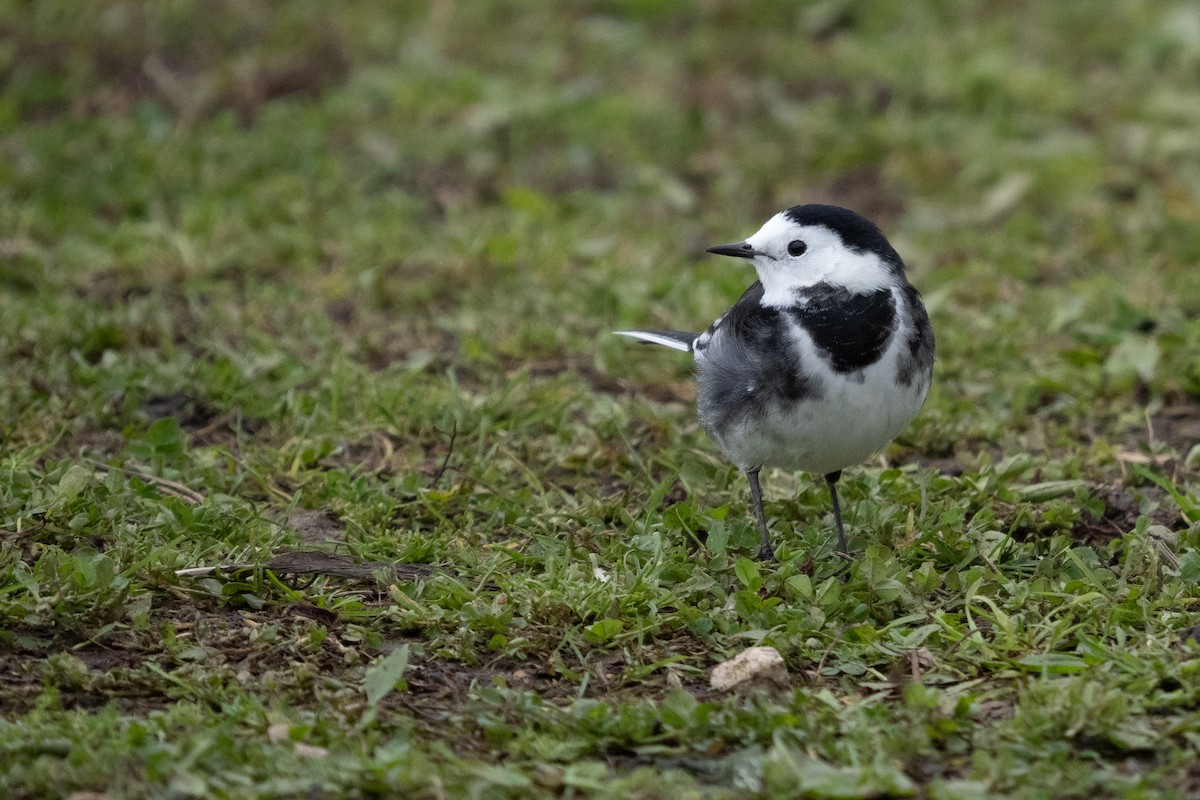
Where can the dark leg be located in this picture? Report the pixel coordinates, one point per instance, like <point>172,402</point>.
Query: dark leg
<point>766,552</point>
<point>831,480</point>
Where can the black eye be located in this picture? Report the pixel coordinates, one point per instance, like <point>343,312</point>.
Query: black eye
<point>796,247</point>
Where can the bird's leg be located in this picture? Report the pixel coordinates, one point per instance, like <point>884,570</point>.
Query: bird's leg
<point>831,480</point>
<point>766,552</point>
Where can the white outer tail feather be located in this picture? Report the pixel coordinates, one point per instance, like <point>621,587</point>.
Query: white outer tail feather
<point>656,338</point>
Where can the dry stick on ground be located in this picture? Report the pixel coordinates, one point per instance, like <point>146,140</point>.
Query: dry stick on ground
<point>184,493</point>
<point>7,534</point>
<point>319,562</point>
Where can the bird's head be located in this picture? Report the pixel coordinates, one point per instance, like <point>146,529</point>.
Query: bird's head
<point>811,244</point>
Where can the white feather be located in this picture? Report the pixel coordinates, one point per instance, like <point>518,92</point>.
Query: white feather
<point>655,338</point>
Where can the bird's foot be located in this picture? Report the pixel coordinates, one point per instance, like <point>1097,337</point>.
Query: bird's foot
<point>843,570</point>
<point>766,553</point>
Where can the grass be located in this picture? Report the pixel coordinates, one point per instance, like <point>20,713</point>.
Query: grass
<point>296,277</point>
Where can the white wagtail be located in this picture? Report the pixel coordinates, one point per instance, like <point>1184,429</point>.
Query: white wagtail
<point>821,362</point>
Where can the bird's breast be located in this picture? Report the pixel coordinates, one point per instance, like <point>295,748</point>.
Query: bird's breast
<point>818,390</point>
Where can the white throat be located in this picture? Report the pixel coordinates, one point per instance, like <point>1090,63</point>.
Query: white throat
<point>826,259</point>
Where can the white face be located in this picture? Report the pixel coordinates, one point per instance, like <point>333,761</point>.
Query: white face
<point>824,258</point>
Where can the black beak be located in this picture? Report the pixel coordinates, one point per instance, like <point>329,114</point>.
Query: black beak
<point>739,250</point>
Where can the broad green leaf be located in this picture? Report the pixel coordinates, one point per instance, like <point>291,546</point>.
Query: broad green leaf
<point>382,676</point>
<point>1049,490</point>
<point>603,630</point>
<point>73,481</point>
<point>747,572</point>
<point>1055,663</point>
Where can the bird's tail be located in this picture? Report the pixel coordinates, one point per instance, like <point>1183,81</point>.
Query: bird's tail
<point>676,340</point>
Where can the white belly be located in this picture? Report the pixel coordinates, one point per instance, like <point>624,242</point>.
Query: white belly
<point>848,423</point>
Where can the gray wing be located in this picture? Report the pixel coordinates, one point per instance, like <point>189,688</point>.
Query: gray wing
<point>746,364</point>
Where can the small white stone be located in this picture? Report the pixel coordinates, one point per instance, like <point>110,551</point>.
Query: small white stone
<point>309,750</point>
<point>756,665</point>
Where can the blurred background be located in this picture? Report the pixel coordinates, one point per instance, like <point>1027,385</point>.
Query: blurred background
<point>488,185</point>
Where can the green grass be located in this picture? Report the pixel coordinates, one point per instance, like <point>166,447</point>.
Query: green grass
<point>297,276</point>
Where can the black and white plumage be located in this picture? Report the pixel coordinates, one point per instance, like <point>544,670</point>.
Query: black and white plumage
<point>821,362</point>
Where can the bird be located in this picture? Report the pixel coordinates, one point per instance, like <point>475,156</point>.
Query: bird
<point>821,363</point>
